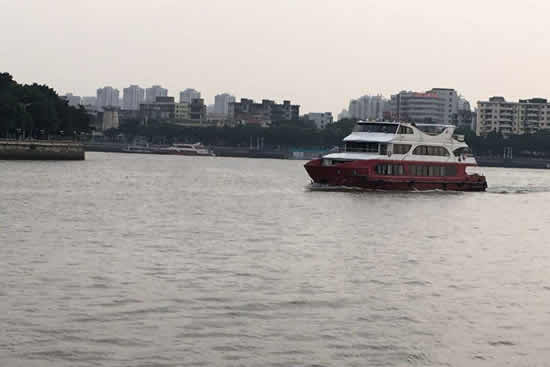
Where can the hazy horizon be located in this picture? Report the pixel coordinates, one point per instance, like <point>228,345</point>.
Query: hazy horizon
<point>318,54</point>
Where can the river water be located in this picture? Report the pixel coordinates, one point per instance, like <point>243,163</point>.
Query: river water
<point>144,260</point>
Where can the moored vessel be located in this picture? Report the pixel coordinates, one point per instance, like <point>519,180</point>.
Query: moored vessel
<point>399,156</point>
<point>142,149</point>
<point>196,149</point>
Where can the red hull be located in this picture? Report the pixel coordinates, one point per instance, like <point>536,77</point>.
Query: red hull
<point>363,174</point>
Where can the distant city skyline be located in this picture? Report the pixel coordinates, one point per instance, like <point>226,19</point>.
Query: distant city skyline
<point>325,55</point>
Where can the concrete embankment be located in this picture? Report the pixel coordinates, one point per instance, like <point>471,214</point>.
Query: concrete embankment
<point>513,163</point>
<point>41,150</point>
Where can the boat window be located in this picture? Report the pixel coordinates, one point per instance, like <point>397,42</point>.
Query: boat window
<point>424,170</point>
<point>431,150</point>
<point>390,169</point>
<point>372,127</point>
<point>405,130</point>
<point>464,151</point>
<point>331,162</point>
<point>451,171</point>
<point>361,147</point>
<point>383,149</point>
<point>401,148</point>
<point>431,170</point>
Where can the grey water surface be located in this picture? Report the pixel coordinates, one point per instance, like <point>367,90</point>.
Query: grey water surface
<point>144,260</point>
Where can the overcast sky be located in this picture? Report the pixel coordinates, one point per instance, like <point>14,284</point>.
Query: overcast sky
<point>318,53</point>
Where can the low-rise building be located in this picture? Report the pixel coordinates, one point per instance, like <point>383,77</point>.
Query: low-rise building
<point>197,110</point>
<point>321,119</point>
<point>526,116</point>
<point>450,100</point>
<point>249,112</point>
<point>436,106</point>
<point>182,111</point>
<point>418,107</point>
<point>163,108</point>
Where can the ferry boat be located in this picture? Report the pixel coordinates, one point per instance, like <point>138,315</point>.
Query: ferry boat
<point>187,149</point>
<point>399,156</point>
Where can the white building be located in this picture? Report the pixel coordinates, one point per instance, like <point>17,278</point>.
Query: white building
<point>188,95</point>
<point>132,97</point>
<point>107,97</point>
<point>436,106</point>
<point>450,100</point>
<point>512,118</point>
<point>368,107</point>
<point>221,103</point>
<point>321,119</point>
<point>72,100</point>
<point>155,91</point>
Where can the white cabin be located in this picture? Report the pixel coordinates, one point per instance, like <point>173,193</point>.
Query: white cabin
<point>404,141</point>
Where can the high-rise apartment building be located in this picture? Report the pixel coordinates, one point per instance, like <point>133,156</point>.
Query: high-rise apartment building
<point>512,118</point>
<point>221,103</point>
<point>107,97</point>
<point>188,95</point>
<point>367,108</point>
<point>132,97</point>
<point>162,109</point>
<point>155,91</point>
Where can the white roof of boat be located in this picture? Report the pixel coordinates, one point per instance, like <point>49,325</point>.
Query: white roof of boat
<point>362,136</point>
<point>436,125</point>
<point>353,156</point>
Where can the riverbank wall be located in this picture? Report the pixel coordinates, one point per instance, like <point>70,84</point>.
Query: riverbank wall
<point>513,163</point>
<point>41,150</point>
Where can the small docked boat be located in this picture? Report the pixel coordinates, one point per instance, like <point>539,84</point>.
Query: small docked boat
<point>196,149</point>
<point>400,156</point>
<point>143,149</point>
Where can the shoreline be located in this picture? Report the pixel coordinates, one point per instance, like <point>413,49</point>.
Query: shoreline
<point>41,150</point>
<point>241,152</point>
